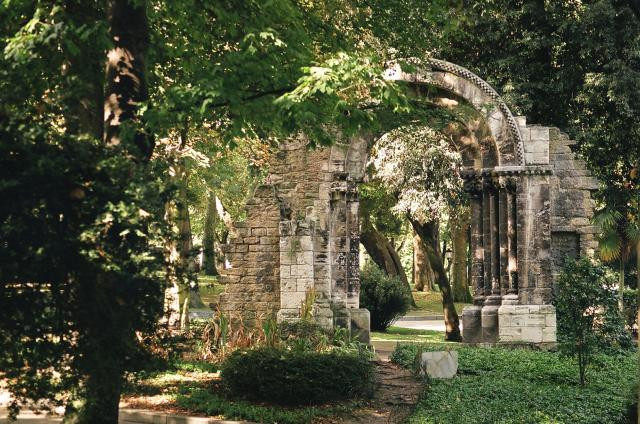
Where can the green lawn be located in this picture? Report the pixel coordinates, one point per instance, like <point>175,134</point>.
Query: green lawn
<point>399,334</point>
<point>430,303</point>
<point>496,385</point>
<point>210,288</point>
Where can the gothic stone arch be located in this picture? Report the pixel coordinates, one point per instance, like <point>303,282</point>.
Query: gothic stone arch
<point>531,207</point>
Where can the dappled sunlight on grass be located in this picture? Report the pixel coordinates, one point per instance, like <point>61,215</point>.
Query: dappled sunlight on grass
<point>430,303</point>
<point>159,389</point>
<point>210,288</point>
<point>399,334</point>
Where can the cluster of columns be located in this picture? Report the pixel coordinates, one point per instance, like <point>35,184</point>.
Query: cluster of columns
<point>345,242</point>
<point>494,240</point>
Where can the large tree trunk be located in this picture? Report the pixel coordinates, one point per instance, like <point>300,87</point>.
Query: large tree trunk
<point>459,244</point>
<point>126,88</point>
<point>384,255</point>
<point>423,278</point>
<point>209,239</point>
<point>429,235</point>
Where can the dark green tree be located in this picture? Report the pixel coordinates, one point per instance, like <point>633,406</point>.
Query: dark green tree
<point>81,225</point>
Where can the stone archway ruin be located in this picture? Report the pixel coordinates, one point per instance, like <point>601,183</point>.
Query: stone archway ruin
<point>530,208</point>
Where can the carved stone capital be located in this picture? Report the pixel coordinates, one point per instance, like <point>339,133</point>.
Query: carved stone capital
<point>511,184</point>
<point>472,185</point>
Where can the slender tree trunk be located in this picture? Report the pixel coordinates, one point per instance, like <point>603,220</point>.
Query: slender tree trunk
<point>384,255</point>
<point>429,235</point>
<point>187,259</point>
<point>223,214</point>
<point>422,273</point>
<point>209,239</point>
<point>227,220</point>
<point>621,285</point>
<point>459,244</point>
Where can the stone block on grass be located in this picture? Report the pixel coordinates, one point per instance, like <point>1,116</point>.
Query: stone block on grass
<point>443,364</point>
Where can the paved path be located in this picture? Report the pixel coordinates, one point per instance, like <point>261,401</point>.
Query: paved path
<point>28,417</point>
<point>397,391</point>
<point>435,323</point>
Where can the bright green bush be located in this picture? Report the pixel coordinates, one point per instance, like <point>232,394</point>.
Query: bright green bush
<point>386,298</point>
<point>588,316</point>
<point>509,386</point>
<point>291,377</point>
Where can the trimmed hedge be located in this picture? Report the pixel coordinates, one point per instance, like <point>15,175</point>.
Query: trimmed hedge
<point>284,377</point>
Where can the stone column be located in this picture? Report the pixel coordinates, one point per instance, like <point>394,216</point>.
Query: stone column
<point>353,249</point>
<point>512,238</point>
<point>471,315</point>
<point>345,267</point>
<point>486,236</point>
<point>338,243</point>
<point>495,240</point>
<point>477,247</point>
<point>503,224</point>
<point>489,313</point>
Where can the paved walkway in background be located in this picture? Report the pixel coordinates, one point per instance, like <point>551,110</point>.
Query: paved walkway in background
<point>127,416</point>
<point>435,322</point>
<point>28,417</point>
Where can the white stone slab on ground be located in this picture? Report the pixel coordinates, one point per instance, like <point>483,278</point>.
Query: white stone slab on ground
<point>443,364</point>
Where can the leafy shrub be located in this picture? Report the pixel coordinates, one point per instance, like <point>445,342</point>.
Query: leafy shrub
<point>405,355</point>
<point>386,298</point>
<point>632,407</point>
<point>588,316</point>
<point>291,377</point>
<point>631,307</point>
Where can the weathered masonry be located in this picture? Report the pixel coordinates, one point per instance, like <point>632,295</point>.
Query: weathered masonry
<point>302,233</point>
<point>530,205</point>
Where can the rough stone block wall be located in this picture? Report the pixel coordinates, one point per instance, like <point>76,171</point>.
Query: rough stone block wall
<point>572,232</point>
<point>285,247</point>
<point>535,324</point>
<point>253,281</point>
<point>555,210</point>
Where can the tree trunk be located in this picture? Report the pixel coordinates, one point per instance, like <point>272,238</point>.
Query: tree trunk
<point>384,255</point>
<point>459,244</point>
<point>621,286</point>
<point>223,214</point>
<point>422,274</point>
<point>126,75</point>
<point>429,235</point>
<point>126,88</point>
<point>209,239</point>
